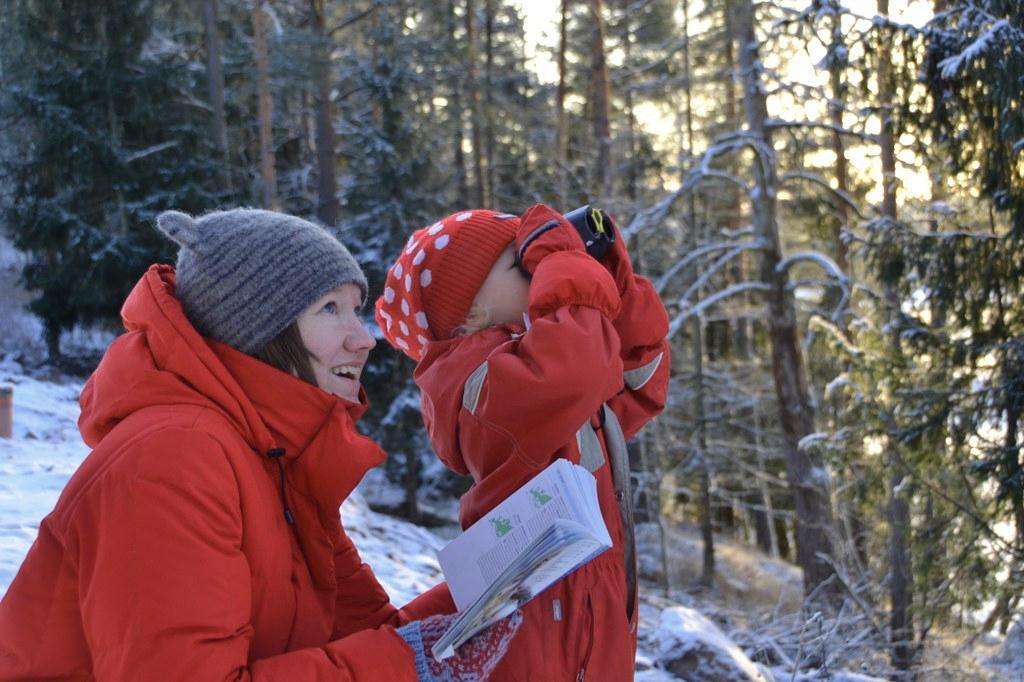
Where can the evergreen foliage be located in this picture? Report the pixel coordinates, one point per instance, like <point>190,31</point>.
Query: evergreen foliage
<point>102,139</point>
<point>974,71</point>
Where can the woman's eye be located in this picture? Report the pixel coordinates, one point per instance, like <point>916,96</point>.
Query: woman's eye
<point>330,308</point>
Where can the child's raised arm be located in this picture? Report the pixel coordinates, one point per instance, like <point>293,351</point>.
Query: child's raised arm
<point>642,326</point>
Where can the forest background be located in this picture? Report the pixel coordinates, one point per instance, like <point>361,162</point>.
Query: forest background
<point>828,195</point>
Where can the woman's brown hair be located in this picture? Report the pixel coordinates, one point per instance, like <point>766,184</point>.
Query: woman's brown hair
<point>287,352</point>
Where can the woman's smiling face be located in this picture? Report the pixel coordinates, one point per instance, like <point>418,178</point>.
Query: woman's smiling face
<point>336,340</point>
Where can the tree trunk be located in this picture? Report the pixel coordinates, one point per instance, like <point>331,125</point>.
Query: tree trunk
<point>772,539</point>
<point>741,331</point>
<point>600,96</point>
<point>1012,466</point>
<point>900,578</point>
<point>782,535</point>
<point>455,107</point>
<point>835,109</point>
<point>807,477</point>
<point>327,205</point>
<point>741,325</point>
<point>561,141</point>
<point>479,188</point>
<point>1011,471</point>
<point>266,109</point>
<point>489,142</point>
<point>900,569</point>
<point>707,576</point>
<point>632,180</point>
<point>215,88</point>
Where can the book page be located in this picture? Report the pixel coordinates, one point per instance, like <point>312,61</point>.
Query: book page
<point>472,561</point>
<point>562,547</point>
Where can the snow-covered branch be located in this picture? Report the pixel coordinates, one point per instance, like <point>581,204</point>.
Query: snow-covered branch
<point>701,251</point>
<point>821,182</point>
<point>839,278</point>
<point>730,142</point>
<point>728,178</point>
<point>148,151</point>
<point>826,263</point>
<point>711,300</point>
<point>950,66</point>
<point>709,273</point>
<point>778,123</point>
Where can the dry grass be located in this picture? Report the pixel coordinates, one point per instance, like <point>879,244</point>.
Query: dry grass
<point>745,579</point>
<point>758,601</point>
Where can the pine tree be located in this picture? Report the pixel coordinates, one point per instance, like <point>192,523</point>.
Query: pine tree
<point>102,138</point>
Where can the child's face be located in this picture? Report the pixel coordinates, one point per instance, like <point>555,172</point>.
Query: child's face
<point>505,292</point>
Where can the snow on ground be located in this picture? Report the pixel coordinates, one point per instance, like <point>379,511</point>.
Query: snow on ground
<point>402,555</point>
<point>685,635</point>
<point>36,463</point>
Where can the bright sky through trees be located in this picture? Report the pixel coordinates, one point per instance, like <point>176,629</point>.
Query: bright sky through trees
<point>541,21</point>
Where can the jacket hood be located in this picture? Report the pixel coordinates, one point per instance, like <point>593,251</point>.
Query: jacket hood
<point>162,360</point>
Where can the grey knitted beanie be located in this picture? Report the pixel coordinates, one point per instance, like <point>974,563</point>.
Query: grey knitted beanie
<point>244,275</point>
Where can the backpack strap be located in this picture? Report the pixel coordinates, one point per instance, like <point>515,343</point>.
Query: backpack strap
<point>619,456</point>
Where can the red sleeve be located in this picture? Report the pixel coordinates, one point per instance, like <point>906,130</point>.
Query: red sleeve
<point>165,589</point>
<point>438,599</point>
<point>361,601</point>
<point>567,278</point>
<point>642,326</point>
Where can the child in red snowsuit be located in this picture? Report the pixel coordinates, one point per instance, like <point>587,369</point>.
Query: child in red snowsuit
<point>517,370</point>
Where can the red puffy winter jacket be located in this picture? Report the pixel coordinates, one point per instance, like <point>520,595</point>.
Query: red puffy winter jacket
<point>503,403</point>
<point>168,555</point>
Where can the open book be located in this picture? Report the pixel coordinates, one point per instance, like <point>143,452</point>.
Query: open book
<point>539,534</point>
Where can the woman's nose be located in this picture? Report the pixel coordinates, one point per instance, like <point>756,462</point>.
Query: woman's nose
<point>360,339</point>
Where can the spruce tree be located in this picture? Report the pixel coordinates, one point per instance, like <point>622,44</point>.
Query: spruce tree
<point>102,138</point>
<point>973,68</point>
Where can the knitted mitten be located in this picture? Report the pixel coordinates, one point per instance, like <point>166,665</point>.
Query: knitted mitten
<point>472,662</point>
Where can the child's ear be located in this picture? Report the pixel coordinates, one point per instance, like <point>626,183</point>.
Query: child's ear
<point>477,317</point>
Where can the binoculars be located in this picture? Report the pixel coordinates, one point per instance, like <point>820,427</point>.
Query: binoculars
<point>595,227</point>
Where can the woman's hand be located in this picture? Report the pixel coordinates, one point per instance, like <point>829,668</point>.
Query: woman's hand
<point>472,662</point>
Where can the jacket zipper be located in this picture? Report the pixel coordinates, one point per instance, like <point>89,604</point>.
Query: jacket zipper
<point>277,454</point>
<point>581,675</point>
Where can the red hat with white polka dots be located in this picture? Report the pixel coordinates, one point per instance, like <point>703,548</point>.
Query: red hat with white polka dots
<point>431,286</point>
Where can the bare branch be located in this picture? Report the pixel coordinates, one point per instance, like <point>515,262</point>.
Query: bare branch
<point>352,19</point>
<point>728,143</point>
<point>826,263</point>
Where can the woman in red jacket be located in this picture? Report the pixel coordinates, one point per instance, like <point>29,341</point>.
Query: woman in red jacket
<point>515,370</point>
<point>201,538</point>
